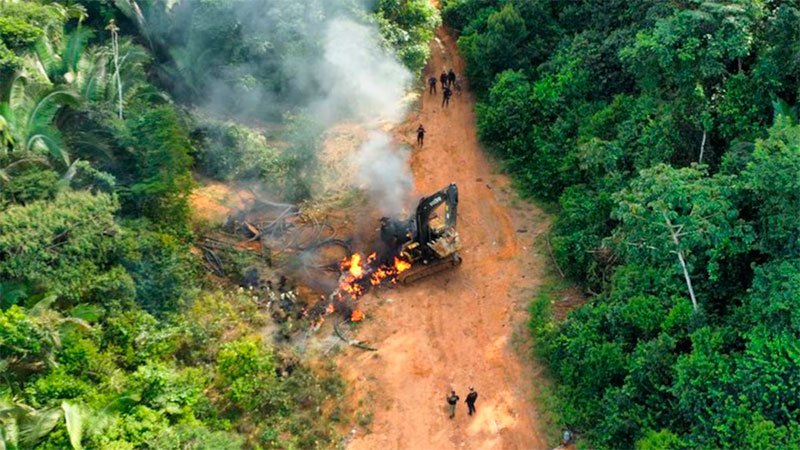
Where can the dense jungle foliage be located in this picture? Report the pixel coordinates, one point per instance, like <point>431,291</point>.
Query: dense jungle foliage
<point>110,335</point>
<point>668,134</point>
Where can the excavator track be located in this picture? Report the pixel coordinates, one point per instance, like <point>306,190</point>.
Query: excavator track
<point>420,271</point>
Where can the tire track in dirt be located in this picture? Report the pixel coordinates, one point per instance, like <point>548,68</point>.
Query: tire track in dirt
<point>455,329</point>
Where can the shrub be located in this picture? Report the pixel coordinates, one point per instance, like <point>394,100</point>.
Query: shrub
<point>233,152</point>
<point>247,371</point>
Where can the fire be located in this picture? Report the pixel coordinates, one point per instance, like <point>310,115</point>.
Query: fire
<point>378,276</point>
<point>359,274</point>
<point>357,315</point>
<point>400,265</point>
<point>355,266</point>
<point>352,273</point>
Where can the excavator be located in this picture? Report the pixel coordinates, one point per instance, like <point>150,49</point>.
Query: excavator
<point>428,239</point>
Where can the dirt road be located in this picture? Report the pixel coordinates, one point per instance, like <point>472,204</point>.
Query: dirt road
<point>463,328</point>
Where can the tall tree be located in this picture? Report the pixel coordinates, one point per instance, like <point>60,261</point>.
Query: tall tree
<point>680,218</point>
<point>771,181</point>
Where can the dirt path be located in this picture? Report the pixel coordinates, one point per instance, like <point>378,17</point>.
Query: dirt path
<point>464,327</point>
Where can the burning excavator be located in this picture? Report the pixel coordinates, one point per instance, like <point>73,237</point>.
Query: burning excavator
<point>428,239</point>
<point>422,245</point>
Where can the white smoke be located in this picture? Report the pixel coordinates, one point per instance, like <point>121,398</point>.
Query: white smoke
<point>382,169</point>
<point>358,78</point>
<point>332,65</point>
<point>363,81</point>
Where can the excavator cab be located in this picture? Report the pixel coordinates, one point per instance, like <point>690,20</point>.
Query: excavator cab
<point>441,218</point>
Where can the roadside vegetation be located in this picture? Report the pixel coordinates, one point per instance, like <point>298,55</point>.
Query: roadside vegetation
<point>668,134</point>
<point>112,336</point>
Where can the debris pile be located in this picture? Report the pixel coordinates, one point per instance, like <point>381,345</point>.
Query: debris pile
<point>264,244</point>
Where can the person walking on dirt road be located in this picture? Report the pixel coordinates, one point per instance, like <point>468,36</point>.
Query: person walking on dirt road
<point>446,94</point>
<point>451,78</point>
<point>452,400</point>
<point>432,85</point>
<point>443,79</point>
<point>470,401</point>
<point>420,135</point>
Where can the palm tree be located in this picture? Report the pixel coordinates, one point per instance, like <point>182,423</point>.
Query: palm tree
<point>52,325</point>
<point>98,83</point>
<point>29,121</point>
<point>96,73</point>
<point>49,325</point>
<point>781,108</point>
<point>76,73</point>
<point>22,426</point>
<point>59,60</point>
<point>8,170</point>
<point>133,60</point>
<point>26,120</point>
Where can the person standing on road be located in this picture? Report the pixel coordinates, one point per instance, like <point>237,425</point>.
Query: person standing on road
<point>432,85</point>
<point>451,78</point>
<point>446,94</point>
<point>443,79</point>
<point>452,400</point>
<point>420,135</point>
<point>458,87</point>
<point>470,401</point>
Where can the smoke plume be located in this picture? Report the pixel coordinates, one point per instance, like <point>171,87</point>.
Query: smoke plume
<point>323,59</point>
<point>383,171</point>
<point>363,82</point>
<point>358,79</point>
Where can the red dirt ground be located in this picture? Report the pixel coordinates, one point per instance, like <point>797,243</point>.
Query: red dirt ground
<point>462,328</point>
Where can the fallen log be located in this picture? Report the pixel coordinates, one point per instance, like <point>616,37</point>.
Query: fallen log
<point>250,228</point>
<point>214,262</point>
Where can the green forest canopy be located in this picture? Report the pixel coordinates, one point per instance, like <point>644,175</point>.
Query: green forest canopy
<point>110,335</point>
<point>668,134</point>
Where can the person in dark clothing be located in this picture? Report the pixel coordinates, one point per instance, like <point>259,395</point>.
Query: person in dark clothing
<point>471,397</point>
<point>451,78</point>
<point>282,284</point>
<point>443,79</point>
<point>452,400</point>
<point>432,85</point>
<point>446,94</point>
<point>420,135</point>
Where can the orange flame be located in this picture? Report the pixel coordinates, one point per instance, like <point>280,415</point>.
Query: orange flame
<point>357,315</point>
<point>401,265</point>
<point>355,266</point>
<point>378,276</point>
<point>359,275</point>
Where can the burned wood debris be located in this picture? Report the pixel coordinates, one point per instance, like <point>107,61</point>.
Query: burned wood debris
<point>265,245</point>
<point>259,218</point>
